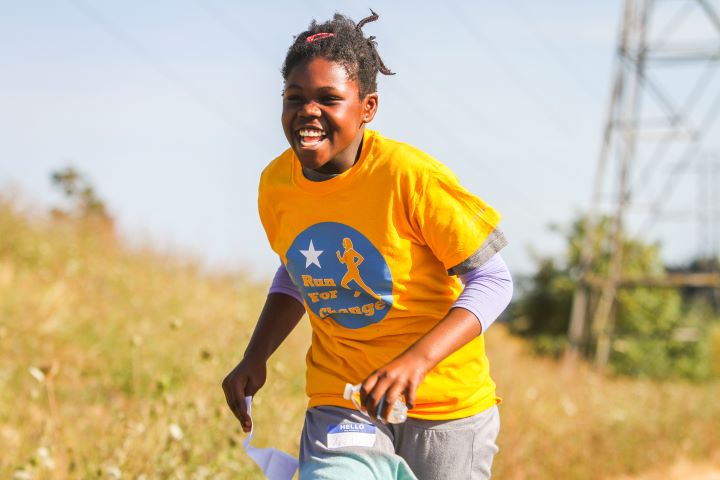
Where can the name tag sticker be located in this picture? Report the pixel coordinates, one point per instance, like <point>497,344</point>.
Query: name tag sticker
<point>351,435</point>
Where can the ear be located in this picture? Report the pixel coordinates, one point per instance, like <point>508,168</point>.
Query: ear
<point>369,107</point>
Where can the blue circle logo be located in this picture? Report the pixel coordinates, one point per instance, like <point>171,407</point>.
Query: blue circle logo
<point>340,274</point>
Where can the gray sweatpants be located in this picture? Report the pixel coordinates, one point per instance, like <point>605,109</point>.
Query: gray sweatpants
<point>342,444</point>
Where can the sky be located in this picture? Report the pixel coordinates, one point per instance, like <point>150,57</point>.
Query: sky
<point>172,108</point>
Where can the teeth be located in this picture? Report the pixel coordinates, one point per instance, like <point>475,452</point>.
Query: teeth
<point>310,133</point>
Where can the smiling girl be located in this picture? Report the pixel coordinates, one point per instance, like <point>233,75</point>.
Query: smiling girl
<point>397,267</point>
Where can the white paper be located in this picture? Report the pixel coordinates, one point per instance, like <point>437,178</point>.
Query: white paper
<point>350,439</point>
<point>275,464</point>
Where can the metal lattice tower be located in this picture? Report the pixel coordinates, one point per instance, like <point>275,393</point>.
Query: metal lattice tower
<point>664,102</point>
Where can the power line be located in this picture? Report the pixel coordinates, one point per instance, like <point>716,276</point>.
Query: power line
<point>485,43</point>
<point>674,23</point>
<point>556,54</point>
<point>172,76</point>
<point>221,19</point>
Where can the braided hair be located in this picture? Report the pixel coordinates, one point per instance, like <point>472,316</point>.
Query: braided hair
<point>340,40</point>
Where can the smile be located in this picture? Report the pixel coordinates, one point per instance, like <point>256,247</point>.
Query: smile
<point>310,137</point>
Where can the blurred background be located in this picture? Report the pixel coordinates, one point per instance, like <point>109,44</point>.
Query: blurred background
<point>172,109</point>
<point>133,263</point>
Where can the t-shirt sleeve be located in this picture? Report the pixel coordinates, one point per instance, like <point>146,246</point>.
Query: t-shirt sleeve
<point>453,222</point>
<point>495,242</point>
<point>265,202</point>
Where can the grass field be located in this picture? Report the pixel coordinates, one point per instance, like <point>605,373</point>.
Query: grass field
<point>111,362</point>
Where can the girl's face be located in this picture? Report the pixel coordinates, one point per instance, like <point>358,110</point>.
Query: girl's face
<point>323,115</point>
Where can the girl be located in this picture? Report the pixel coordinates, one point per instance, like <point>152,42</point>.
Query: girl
<point>395,264</point>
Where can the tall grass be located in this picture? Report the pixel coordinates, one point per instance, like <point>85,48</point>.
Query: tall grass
<point>140,344</point>
<point>111,362</point>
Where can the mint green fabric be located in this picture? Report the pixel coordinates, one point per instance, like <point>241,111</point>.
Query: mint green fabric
<point>461,449</point>
<point>356,466</point>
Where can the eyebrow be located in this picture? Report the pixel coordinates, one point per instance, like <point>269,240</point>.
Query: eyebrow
<point>294,85</point>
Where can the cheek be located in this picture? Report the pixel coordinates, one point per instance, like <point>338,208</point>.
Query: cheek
<point>350,118</point>
<point>286,119</point>
<point>286,123</point>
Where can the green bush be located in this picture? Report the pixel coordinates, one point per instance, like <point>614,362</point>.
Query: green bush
<point>656,333</point>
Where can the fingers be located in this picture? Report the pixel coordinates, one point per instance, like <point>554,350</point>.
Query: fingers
<point>376,400</point>
<point>234,389</point>
<point>410,396</point>
<point>383,388</point>
<point>367,387</point>
<point>230,397</point>
<point>391,396</point>
<point>371,392</point>
<point>242,413</point>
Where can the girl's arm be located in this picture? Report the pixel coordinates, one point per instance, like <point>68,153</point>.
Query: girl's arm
<point>280,315</point>
<point>406,372</point>
<point>488,290</point>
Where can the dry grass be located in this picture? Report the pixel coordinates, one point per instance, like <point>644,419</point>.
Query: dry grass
<point>140,343</point>
<point>560,424</point>
<point>111,363</point>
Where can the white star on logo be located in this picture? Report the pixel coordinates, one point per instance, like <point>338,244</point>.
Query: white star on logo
<point>311,255</point>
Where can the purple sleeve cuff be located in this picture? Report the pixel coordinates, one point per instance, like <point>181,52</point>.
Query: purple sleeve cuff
<point>488,290</point>
<point>283,284</point>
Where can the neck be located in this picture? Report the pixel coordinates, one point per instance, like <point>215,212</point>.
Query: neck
<point>315,176</point>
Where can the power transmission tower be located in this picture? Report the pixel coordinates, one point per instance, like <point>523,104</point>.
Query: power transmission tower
<point>664,101</point>
<point>708,201</point>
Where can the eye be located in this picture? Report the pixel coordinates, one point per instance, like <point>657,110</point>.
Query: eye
<point>292,98</point>
<point>330,100</point>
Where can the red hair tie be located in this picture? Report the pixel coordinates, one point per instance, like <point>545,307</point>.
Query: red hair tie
<point>319,36</point>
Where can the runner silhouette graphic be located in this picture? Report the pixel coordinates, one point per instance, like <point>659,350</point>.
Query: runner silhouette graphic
<point>352,260</point>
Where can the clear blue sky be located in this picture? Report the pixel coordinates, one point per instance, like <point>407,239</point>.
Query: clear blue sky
<point>172,108</point>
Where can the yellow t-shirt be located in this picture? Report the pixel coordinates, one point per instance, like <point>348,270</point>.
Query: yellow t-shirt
<point>369,251</point>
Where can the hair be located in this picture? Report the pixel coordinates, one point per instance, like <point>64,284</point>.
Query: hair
<point>344,44</point>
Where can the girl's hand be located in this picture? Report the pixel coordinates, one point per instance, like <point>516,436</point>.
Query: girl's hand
<point>404,374</point>
<point>245,379</point>
<point>278,318</point>
<point>401,376</point>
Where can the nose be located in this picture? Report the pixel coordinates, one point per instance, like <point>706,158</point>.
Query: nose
<point>310,109</point>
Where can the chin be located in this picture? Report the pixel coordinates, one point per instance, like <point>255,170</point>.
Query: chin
<point>311,162</point>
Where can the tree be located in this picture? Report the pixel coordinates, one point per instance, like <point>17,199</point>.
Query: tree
<point>84,202</point>
<point>653,334</point>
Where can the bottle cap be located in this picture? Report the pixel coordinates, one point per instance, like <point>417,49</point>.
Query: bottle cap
<point>349,389</point>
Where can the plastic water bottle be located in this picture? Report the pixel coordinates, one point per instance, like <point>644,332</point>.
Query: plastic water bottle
<point>398,413</point>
